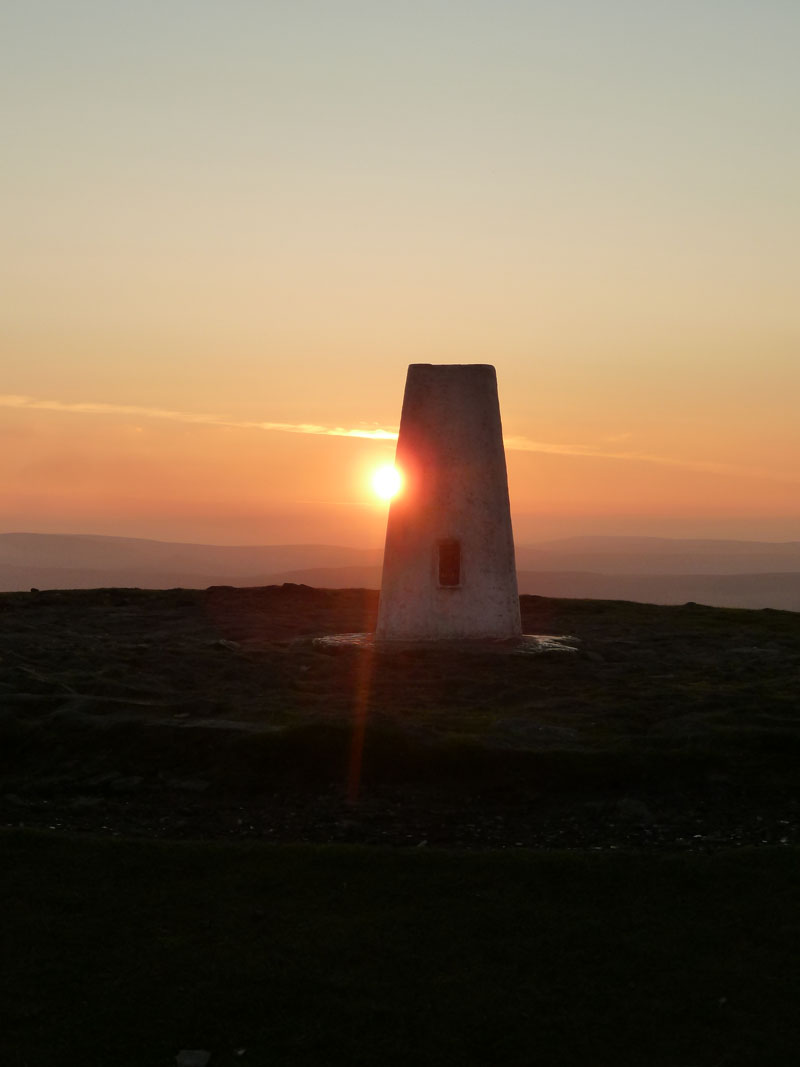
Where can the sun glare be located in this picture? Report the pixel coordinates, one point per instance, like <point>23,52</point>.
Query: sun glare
<point>386,482</point>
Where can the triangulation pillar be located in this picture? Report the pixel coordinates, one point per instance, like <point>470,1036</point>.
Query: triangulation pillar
<point>448,568</point>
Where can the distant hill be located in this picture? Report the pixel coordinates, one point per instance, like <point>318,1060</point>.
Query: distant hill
<point>655,570</point>
<point>659,555</point>
<point>88,561</point>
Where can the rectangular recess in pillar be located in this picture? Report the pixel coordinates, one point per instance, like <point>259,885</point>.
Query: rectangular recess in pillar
<point>450,563</point>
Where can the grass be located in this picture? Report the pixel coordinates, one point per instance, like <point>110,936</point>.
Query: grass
<point>119,674</point>
<point>124,952</point>
<point>121,951</point>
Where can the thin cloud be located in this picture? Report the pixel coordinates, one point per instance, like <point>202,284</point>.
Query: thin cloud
<point>325,431</point>
<point>30,403</point>
<point>524,444</point>
<point>513,444</point>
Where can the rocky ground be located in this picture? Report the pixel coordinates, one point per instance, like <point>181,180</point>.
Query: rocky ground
<point>213,714</point>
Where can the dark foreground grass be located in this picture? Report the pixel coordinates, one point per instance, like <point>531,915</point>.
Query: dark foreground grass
<point>122,953</point>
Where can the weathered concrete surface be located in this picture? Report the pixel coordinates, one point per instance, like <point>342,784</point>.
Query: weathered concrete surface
<point>455,492</point>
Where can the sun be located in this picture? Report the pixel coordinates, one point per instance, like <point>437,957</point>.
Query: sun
<point>386,481</point>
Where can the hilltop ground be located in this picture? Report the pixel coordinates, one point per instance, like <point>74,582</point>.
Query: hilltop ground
<point>619,884</point>
<point>212,714</point>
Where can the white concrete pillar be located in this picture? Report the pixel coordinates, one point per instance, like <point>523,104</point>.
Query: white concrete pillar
<point>448,568</point>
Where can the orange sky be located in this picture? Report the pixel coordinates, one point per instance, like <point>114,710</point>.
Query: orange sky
<point>221,231</point>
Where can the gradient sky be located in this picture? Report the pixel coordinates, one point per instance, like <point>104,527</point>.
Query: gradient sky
<point>229,226</point>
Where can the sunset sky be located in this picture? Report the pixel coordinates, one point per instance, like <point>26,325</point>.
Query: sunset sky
<point>229,227</point>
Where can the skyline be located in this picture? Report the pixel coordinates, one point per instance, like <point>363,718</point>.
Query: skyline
<point>229,231</point>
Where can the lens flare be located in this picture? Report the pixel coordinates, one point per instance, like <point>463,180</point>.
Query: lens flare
<point>386,482</point>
